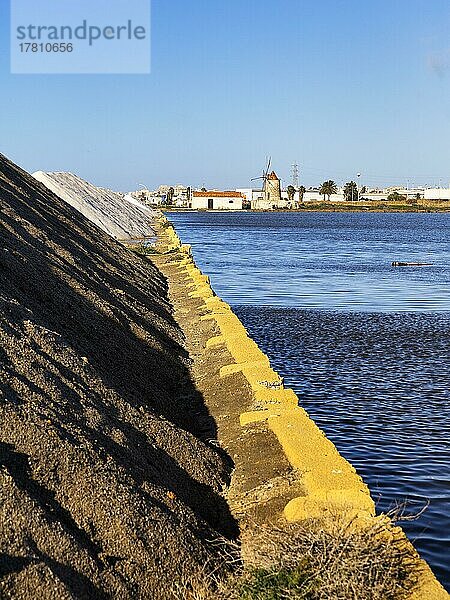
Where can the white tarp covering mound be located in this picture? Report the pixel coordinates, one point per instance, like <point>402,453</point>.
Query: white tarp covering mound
<point>111,211</point>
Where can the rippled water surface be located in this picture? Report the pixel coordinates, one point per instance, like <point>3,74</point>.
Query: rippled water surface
<point>366,346</point>
<point>335,261</point>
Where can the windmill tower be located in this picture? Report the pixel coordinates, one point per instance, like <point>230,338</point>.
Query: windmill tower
<point>271,189</point>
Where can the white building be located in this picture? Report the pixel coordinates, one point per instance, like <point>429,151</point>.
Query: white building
<point>375,196</point>
<point>216,200</point>
<point>248,193</point>
<point>316,196</point>
<point>437,194</point>
<point>253,198</point>
<point>258,199</point>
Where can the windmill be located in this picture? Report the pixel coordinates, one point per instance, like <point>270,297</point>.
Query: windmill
<point>265,177</point>
<point>271,188</point>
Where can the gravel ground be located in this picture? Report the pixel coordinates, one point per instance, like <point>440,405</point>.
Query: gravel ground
<point>106,487</point>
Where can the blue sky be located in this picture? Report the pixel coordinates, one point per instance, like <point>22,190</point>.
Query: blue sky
<point>339,86</point>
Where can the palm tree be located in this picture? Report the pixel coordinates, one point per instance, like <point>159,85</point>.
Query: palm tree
<point>170,195</point>
<point>291,193</point>
<point>351,191</point>
<point>328,188</point>
<point>301,193</point>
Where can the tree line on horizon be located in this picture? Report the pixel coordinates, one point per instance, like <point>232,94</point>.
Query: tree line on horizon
<point>327,189</point>
<point>351,192</point>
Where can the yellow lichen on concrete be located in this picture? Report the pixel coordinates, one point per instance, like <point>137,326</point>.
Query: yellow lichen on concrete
<point>203,279</point>
<point>192,269</point>
<point>201,291</point>
<point>257,416</point>
<point>277,395</point>
<point>326,503</point>
<point>172,241</point>
<point>330,480</point>
<point>242,348</point>
<point>217,302</point>
<point>262,379</point>
<point>215,341</point>
<point>216,306</point>
<point>209,317</point>
<point>251,369</point>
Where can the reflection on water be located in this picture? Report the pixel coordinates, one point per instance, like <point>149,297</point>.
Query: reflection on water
<point>365,345</point>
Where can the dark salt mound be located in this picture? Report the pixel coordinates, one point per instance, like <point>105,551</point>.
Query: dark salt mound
<point>106,489</point>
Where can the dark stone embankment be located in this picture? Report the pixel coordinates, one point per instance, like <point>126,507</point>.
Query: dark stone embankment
<point>106,487</point>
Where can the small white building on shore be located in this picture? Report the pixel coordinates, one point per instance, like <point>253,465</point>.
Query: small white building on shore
<point>437,194</point>
<point>316,196</point>
<point>216,200</point>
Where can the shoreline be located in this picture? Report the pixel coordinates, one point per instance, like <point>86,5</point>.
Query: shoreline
<point>322,209</point>
<point>285,469</point>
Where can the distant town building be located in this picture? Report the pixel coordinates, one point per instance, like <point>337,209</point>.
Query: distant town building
<point>217,200</point>
<point>160,195</point>
<point>313,195</point>
<point>271,196</point>
<point>248,194</point>
<point>437,194</point>
<point>383,194</point>
<point>162,190</point>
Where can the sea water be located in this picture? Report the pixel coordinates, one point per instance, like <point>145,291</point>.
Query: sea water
<point>365,345</point>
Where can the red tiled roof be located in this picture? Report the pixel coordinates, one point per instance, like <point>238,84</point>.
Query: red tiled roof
<point>215,194</point>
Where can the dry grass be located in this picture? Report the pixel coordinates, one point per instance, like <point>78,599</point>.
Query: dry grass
<point>323,562</point>
<point>378,206</point>
<point>313,561</point>
<point>434,204</point>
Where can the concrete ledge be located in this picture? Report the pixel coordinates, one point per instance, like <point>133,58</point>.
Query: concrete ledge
<point>274,396</point>
<point>213,342</point>
<point>328,503</point>
<point>330,480</point>
<point>203,291</point>
<point>252,369</point>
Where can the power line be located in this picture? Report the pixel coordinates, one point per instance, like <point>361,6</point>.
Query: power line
<point>295,176</point>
